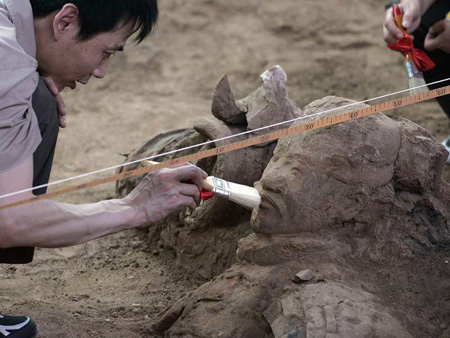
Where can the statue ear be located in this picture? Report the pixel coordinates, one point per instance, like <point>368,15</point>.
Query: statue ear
<point>211,129</point>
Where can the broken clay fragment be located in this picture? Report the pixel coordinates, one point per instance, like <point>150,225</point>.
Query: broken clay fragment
<point>224,106</point>
<point>303,276</point>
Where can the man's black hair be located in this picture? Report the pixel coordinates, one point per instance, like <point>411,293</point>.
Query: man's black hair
<point>99,16</point>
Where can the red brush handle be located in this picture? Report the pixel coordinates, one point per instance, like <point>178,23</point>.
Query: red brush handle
<point>398,17</point>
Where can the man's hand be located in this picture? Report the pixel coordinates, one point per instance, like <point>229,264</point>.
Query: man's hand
<point>438,36</point>
<point>165,191</point>
<point>61,105</point>
<point>412,14</point>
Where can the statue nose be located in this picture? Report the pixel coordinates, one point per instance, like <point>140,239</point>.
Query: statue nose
<point>272,181</point>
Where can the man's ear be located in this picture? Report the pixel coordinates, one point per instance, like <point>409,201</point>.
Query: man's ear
<point>66,21</point>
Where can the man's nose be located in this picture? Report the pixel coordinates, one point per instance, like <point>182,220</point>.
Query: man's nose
<point>100,71</point>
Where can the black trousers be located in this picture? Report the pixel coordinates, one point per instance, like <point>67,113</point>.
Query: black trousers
<point>436,13</point>
<point>44,104</point>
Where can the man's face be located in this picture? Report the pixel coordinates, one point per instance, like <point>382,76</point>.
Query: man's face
<point>89,58</point>
<point>70,61</point>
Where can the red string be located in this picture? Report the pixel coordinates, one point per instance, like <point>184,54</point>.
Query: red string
<point>406,45</point>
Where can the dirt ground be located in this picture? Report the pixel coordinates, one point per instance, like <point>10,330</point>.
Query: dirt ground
<point>114,287</point>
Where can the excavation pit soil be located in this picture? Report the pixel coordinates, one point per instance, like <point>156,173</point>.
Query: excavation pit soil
<point>116,286</point>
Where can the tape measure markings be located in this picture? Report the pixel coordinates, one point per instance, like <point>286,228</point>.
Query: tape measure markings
<point>316,123</point>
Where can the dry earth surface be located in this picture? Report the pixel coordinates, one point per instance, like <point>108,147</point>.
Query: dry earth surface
<point>114,287</point>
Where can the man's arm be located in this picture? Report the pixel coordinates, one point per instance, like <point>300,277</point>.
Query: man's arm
<point>51,224</point>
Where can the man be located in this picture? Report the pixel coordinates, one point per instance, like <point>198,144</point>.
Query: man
<point>67,42</point>
<point>425,20</point>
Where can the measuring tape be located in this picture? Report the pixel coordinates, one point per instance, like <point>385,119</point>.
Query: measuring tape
<point>275,135</point>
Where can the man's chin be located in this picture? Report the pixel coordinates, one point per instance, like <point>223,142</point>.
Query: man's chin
<point>73,85</point>
<point>266,219</point>
<point>70,85</point>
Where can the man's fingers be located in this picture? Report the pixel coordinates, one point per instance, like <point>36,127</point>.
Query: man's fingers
<point>438,27</point>
<point>51,85</point>
<point>431,44</point>
<point>388,37</point>
<point>192,166</point>
<point>190,173</point>
<point>411,15</point>
<point>62,122</point>
<point>410,23</point>
<point>189,202</point>
<point>438,36</point>
<point>390,30</point>
<point>414,25</point>
<point>167,190</point>
<point>61,105</point>
<point>62,110</point>
<point>190,190</point>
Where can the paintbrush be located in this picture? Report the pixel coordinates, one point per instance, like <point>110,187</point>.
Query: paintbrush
<point>243,195</point>
<point>415,76</point>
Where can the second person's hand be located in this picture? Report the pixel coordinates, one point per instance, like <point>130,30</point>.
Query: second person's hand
<point>438,36</point>
<point>412,13</point>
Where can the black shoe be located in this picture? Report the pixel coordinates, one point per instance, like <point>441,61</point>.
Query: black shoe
<point>17,327</point>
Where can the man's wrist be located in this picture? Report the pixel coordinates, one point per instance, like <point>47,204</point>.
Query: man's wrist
<point>126,217</point>
<point>132,216</point>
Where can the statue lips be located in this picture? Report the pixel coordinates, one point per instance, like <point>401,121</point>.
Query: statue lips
<point>271,201</point>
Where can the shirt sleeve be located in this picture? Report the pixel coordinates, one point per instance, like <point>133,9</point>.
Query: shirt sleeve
<point>19,129</point>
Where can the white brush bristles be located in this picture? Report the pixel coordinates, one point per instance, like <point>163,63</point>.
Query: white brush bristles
<point>415,78</point>
<point>417,82</point>
<point>246,196</point>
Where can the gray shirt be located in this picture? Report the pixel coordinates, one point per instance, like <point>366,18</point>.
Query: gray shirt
<point>19,130</point>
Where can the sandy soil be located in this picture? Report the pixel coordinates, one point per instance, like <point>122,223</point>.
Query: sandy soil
<point>113,287</point>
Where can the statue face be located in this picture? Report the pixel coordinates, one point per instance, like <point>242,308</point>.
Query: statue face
<point>277,185</point>
<point>322,179</point>
<point>294,188</point>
